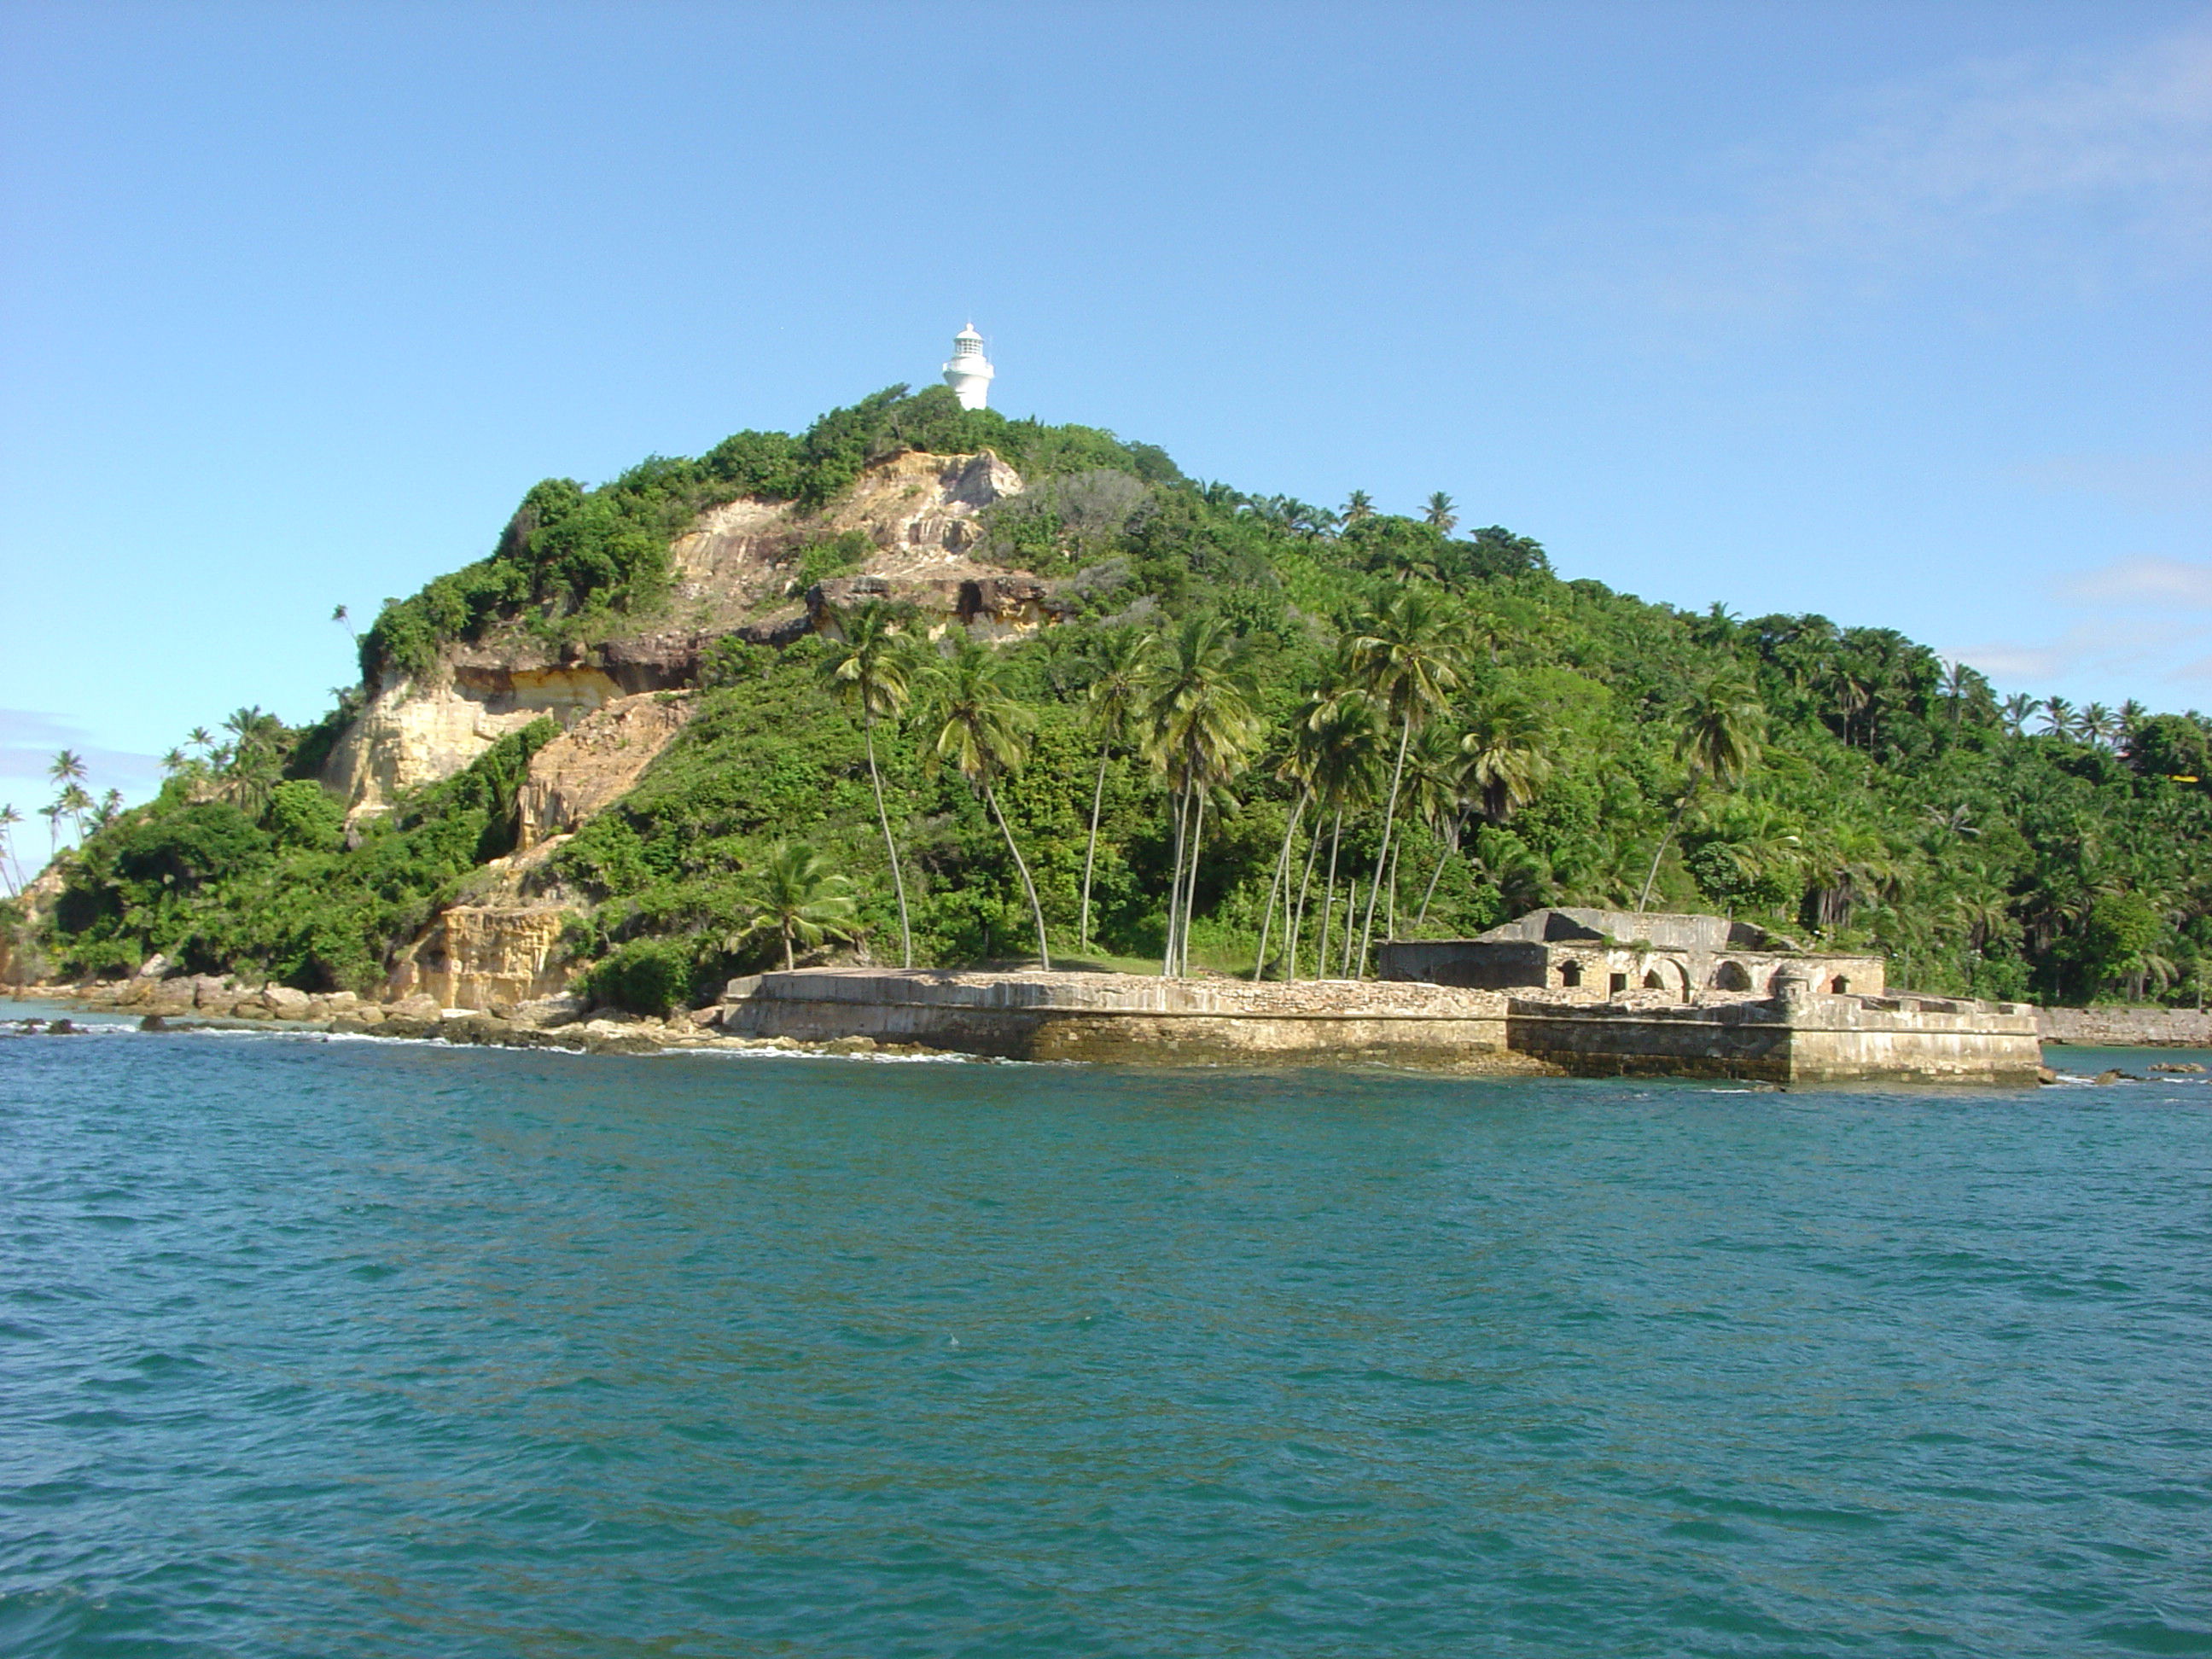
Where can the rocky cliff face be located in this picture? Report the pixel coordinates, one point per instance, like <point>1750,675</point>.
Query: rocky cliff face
<point>486,956</point>
<point>587,767</point>
<point>733,572</point>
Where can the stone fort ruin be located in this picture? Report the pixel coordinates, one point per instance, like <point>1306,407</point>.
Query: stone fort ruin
<point>1601,956</point>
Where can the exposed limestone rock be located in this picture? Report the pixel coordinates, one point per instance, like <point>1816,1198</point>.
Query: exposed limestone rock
<point>474,955</point>
<point>732,571</point>
<point>588,766</point>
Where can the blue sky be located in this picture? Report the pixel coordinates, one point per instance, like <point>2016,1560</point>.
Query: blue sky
<point>1895,312</point>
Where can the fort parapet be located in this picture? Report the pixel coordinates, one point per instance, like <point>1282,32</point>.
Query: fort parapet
<point>1131,1017</point>
<point>1797,1035</point>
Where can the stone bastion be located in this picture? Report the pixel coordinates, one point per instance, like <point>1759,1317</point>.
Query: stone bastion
<point>1796,1035</point>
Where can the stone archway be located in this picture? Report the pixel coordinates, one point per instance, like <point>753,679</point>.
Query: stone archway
<point>1731,976</point>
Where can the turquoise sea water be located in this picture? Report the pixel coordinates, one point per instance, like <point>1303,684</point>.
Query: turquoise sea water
<point>350,1348</point>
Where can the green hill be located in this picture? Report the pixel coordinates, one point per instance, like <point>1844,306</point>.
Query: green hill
<point>1561,743</point>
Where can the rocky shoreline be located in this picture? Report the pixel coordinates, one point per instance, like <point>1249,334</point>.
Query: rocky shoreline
<point>207,1002</point>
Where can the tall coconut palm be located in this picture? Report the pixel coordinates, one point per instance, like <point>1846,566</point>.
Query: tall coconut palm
<point>68,771</point>
<point>1718,743</point>
<point>801,899</point>
<point>1121,664</point>
<point>2058,717</point>
<point>1300,767</point>
<point>1440,512</point>
<point>1408,657</point>
<point>1357,506</point>
<point>10,817</point>
<point>52,813</point>
<point>1200,729</point>
<point>976,726</point>
<point>1506,757</point>
<point>75,801</point>
<point>867,669</point>
<point>1347,736</point>
<point>2017,710</point>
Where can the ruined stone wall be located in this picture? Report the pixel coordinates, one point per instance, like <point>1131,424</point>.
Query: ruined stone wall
<point>2129,1028</point>
<point>1132,1018</point>
<point>1817,1039</point>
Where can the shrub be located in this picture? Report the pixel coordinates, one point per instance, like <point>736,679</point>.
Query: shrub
<point>302,815</point>
<point>646,977</point>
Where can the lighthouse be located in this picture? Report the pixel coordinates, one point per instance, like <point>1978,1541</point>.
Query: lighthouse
<point>970,371</point>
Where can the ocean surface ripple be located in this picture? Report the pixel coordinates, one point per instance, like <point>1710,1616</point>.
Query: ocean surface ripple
<point>334,1349</point>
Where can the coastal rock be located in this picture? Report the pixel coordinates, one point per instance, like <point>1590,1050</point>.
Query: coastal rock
<point>415,1007</point>
<point>474,955</point>
<point>285,1003</point>
<point>545,1012</point>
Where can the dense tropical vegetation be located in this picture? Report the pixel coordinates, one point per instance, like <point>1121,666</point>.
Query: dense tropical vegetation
<point>1270,734</point>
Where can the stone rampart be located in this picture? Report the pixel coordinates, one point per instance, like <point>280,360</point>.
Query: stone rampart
<point>1798,1039</point>
<point>2129,1028</point>
<point>1132,1017</point>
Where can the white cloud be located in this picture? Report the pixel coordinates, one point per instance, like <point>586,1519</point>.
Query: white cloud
<point>2169,584</point>
<point>2102,646</point>
<point>28,741</point>
<point>2079,170</point>
<point>2183,479</point>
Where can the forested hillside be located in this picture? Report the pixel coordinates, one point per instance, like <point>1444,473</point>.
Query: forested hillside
<point>1314,727</point>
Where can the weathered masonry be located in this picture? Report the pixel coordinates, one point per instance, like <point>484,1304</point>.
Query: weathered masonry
<point>1595,955</point>
<point>1796,1035</point>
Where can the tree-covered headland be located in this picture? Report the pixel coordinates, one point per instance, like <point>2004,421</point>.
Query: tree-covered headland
<point>1266,735</point>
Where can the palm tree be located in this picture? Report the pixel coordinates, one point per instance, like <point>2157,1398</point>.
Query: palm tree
<point>77,803</point>
<point>1408,656</point>
<point>1357,506</point>
<point>1121,663</point>
<point>67,770</point>
<point>200,738</point>
<point>10,817</point>
<point>340,615</point>
<point>866,669</point>
<point>978,728</point>
<point>1304,766</point>
<point>2058,717</point>
<point>1339,727</point>
<point>1440,512</point>
<point>1719,743</point>
<point>174,762</point>
<point>802,898</point>
<point>1199,728</point>
<point>111,805</point>
<point>2098,725</point>
<point>52,813</point>
<point>1503,759</point>
<point>2018,710</point>
<point>1958,691</point>
<point>1508,757</point>
<point>253,762</point>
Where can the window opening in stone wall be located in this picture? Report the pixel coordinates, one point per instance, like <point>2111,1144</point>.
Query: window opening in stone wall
<point>1653,982</point>
<point>1840,985</point>
<point>1619,983</point>
<point>1731,976</point>
<point>1570,973</point>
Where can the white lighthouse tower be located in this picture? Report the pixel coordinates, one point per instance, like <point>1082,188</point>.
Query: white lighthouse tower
<point>970,371</point>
